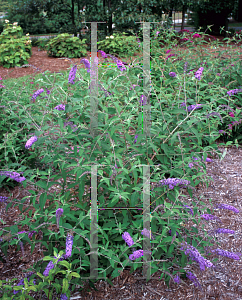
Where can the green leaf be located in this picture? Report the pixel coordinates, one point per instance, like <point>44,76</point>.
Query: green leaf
<point>65,286</point>
<point>74,274</point>
<point>65,264</point>
<point>42,200</point>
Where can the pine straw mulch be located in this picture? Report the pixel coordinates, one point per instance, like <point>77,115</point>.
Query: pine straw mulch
<point>222,283</point>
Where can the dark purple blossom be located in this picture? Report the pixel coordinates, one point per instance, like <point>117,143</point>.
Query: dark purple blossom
<point>190,209</point>
<point>103,53</point>
<point>185,67</point>
<point>174,182</point>
<point>72,74</point>
<point>135,138</point>
<point>21,282</point>
<point>50,266</point>
<point>63,297</point>
<point>143,100</point>
<point>128,239</point>
<point>30,142</point>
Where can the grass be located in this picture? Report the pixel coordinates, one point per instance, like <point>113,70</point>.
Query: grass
<point>122,160</point>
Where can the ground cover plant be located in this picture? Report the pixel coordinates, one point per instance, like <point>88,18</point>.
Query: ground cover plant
<point>189,100</point>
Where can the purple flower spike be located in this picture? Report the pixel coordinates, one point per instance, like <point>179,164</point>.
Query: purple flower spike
<point>226,254</point>
<point>58,214</point>
<point>36,94</point>
<point>143,100</point>
<point>69,243</point>
<point>177,279</point>
<point>14,175</point>
<point>135,138</point>
<point>60,107</point>
<point>72,74</point>
<point>172,74</point>
<point>190,209</point>
<point>50,266</point>
<point>3,198</point>
<point>208,217</point>
<point>31,233</point>
<point>199,73</point>
<point>86,63</point>
<point>128,239</point>
<point>136,254</point>
<point>63,297</point>
<point>193,278</point>
<point>147,233</point>
<point>229,207</point>
<point>224,230</point>
<point>196,256</point>
<point>235,91</point>
<point>104,55</point>
<point>30,142</point>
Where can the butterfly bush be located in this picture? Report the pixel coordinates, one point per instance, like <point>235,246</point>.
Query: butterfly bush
<point>209,217</point>
<point>177,279</point>
<point>21,282</point>
<point>196,256</point>
<point>147,233</point>
<point>135,138</point>
<point>86,63</point>
<point>72,74</point>
<point>50,266</point>
<point>30,142</point>
<point>224,230</point>
<point>63,297</point>
<point>235,91</point>
<point>136,255</point>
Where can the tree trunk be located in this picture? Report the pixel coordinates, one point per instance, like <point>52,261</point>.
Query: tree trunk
<point>73,17</point>
<point>183,16</point>
<point>239,19</point>
<point>110,22</point>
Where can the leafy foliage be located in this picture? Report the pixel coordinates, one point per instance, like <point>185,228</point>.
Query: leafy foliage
<point>66,46</point>
<point>14,49</point>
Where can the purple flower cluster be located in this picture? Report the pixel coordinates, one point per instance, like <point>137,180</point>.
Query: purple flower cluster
<point>60,107</point>
<point>86,63</point>
<point>3,198</point>
<point>199,73</point>
<point>196,256</point>
<point>224,230</point>
<point>21,282</point>
<point>69,243</point>
<point>191,107</point>
<point>128,239</point>
<point>72,125</point>
<point>190,209</point>
<point>185,67</point>
<point>72,74</point>
<point>177,279</point>
<point>30,142</point>
<point>172,74</point>
<point>14,175</point>
<point>193,278</point>
<point>208,217</point>
<point>135,138</point>
<point>36,94</point>
<point>226,254</point>
<point>50,266</point>
<point>103,53</point>
<point>63,297</point>
<point>229,207</point>
<point>174,182</point>
<point>235,91</point>
<point>58,214</point>
<point>136,255</point>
